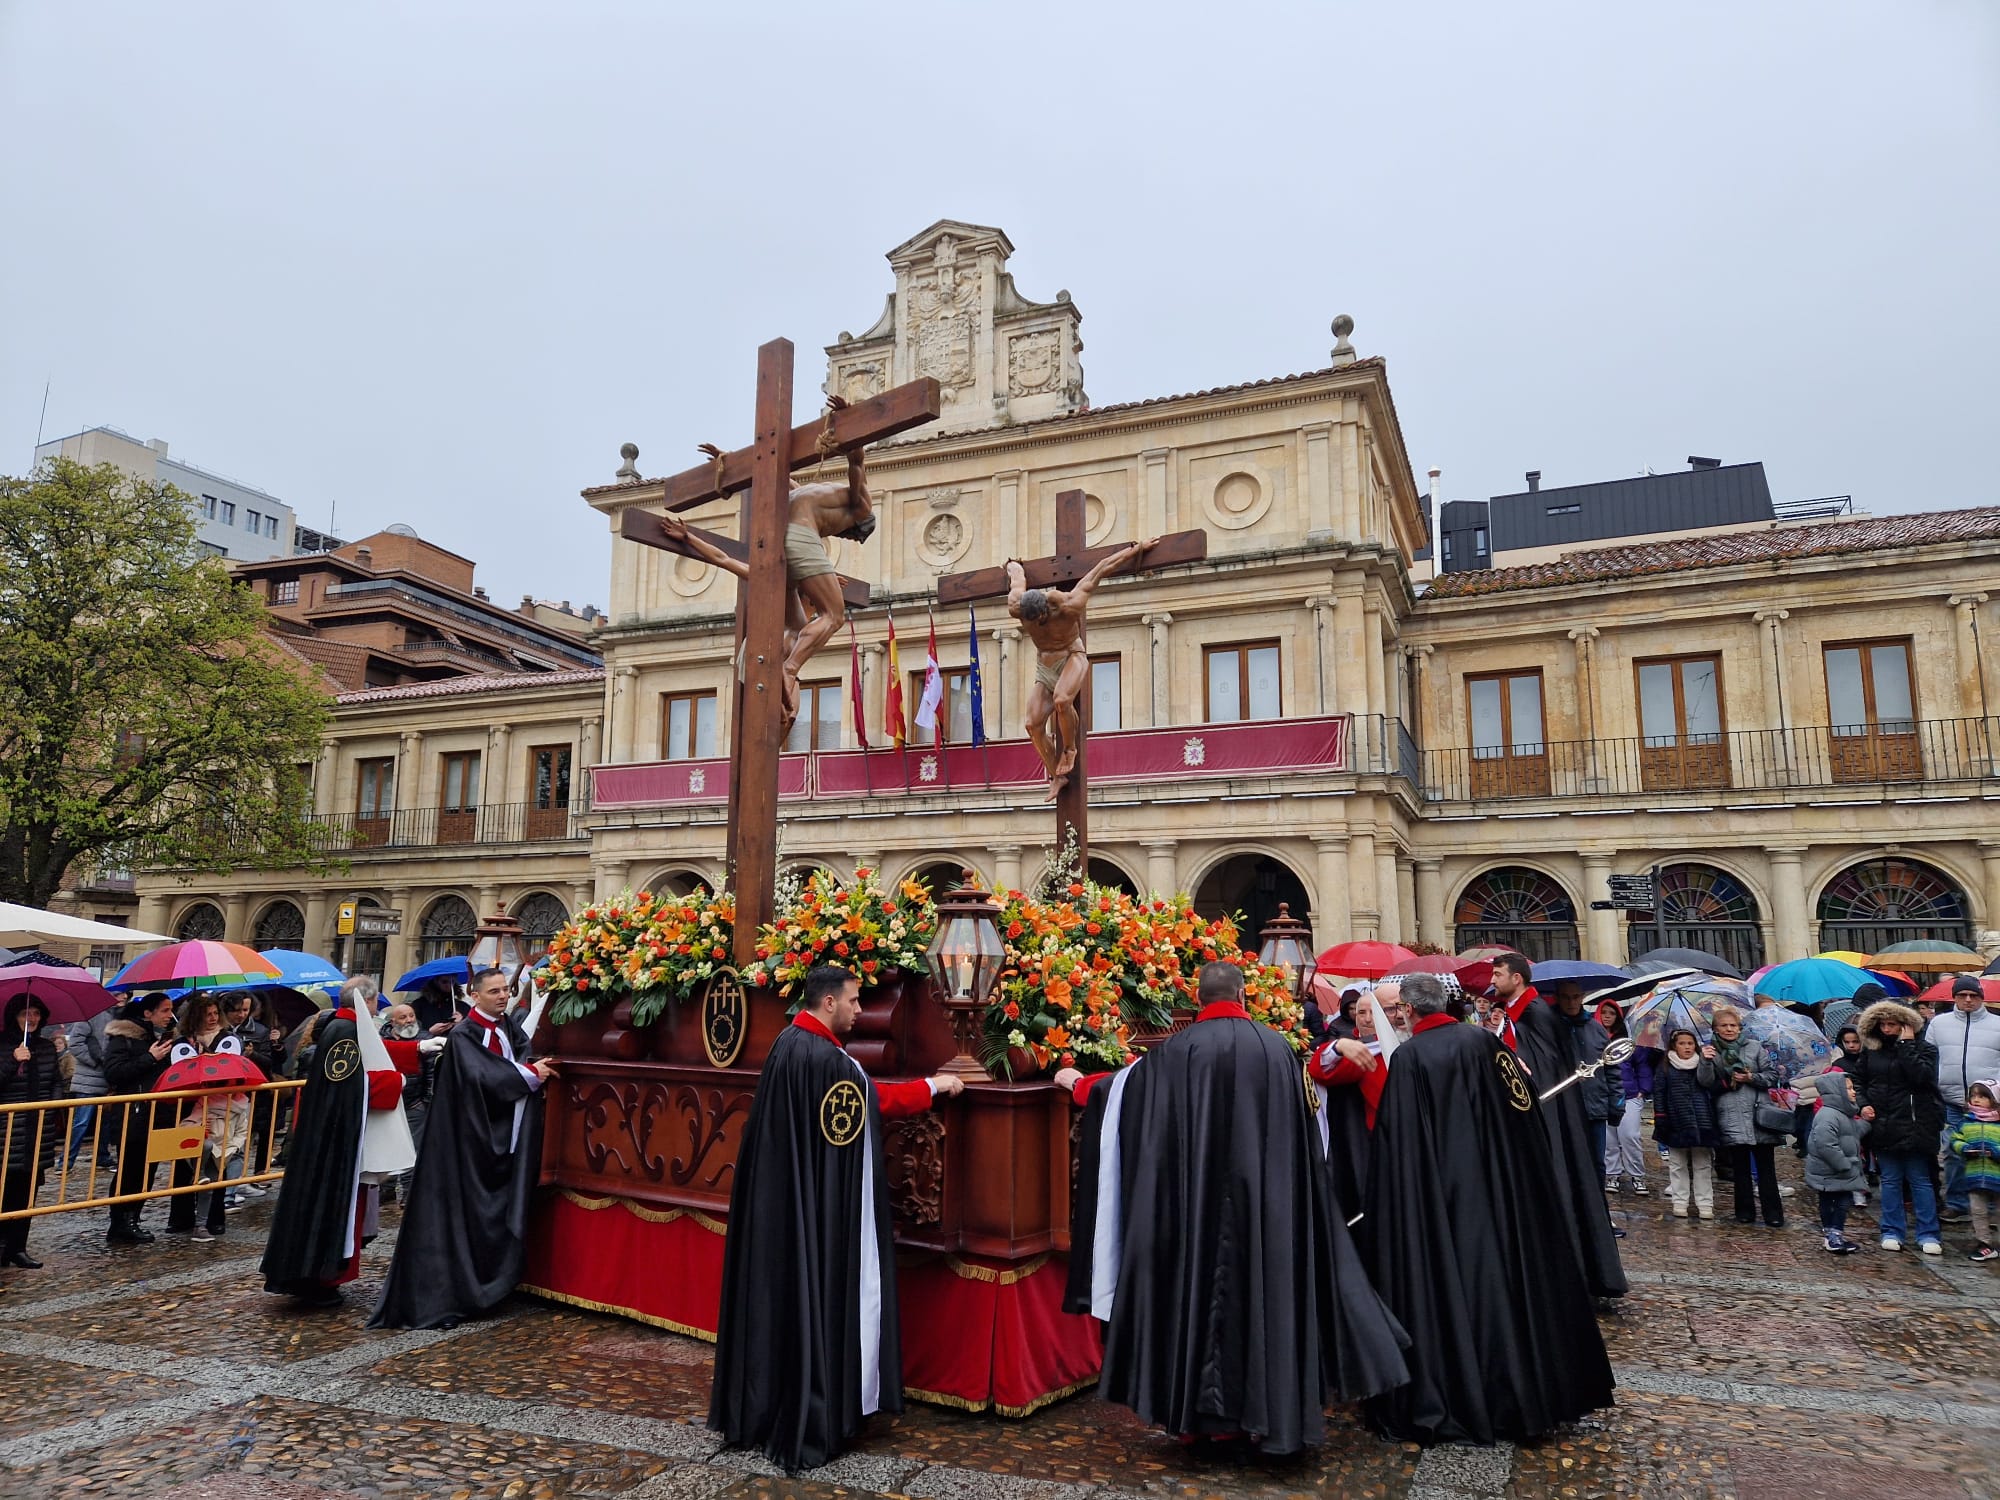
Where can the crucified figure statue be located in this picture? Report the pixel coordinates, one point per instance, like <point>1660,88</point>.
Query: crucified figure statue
<point>1053,620</point>
<point>814,608</point>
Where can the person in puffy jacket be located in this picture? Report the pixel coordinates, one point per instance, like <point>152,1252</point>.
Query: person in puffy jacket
<point>1742,1076</point>
<point>1835,1168</point>
<point>1976,1144</point>
<point>1967,1038</point>
<point>1896,1077</point>
<point>86,1050</point>
<point>31,1071</point>
<point>1684,1122</point>
<point>1631,1083</point>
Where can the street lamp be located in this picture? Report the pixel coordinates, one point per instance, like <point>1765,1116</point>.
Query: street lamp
<point>1286,943</point>
<point>497,945</point>
<point>964,961</point>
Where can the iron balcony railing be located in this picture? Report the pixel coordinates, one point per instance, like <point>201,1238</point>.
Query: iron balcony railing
<point>444,827</point>
<point>1909,753</point>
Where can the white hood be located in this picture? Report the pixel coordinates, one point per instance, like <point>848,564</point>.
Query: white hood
<point>386,1145</point>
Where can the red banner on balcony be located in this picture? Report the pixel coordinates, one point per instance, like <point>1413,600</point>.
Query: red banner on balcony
<point>1270,745</point>
<point>664,783</point>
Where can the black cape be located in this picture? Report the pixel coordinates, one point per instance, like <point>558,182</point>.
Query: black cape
<point>788,1347</point>
<point>1466,1240</point>
<point>465,1225</point>
<point>308,1247</point>
<point>1547,1044</point>
<point>1240,1301</point>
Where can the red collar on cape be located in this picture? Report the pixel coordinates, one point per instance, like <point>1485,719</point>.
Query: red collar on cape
<point>810,1022</point>
<point>1518,1006</point>
<point>1431,1023</point>
<point>1223,1010</point>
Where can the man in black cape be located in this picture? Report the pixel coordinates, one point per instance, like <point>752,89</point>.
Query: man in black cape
<point>1547,1047</point>
<point>1467,1243</point>
<point>807,1344</point>
<point>465,1226</point>
<point>1204,1236</point>
<point>325,1211</point>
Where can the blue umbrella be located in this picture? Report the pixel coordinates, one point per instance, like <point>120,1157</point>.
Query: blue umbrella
<point>302,970</point>
<point>1590,976</point>
<point>1808,981</point>
<point>457,969</point>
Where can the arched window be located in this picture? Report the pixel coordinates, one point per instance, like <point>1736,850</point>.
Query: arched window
<point>281,925</point>
<point>1250,888</point>
<point>539,914</point>
<point>447,929</point>
<point>1519,908</point>
<point>201,922</point>
<point>1106,874</point>
<point>1868,906</point>
<point>1703,908</point>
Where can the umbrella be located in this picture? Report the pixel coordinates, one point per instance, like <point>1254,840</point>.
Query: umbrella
<point>1932,955</point>
<point>1809,981</point>
<point>1640,984</point>
<point>208,1070</point>
<point>28,924</point>
<point>1692,958</point>
<point>197,964</point>
<point>1994,967</point>
<point>457,969</point>
<point>1689,1000</point>
<point>67,993</point>
<point>1790,1040</point>
<point>288,1006</point>
<point>1428,963</point>
<point>1578,971</point>
<point>303,970</point>
<point>1941,991</point>
<point>1348,960</point>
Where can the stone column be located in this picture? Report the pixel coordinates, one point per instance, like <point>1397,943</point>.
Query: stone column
<point>1349,523</point>
<point>1371,661</point>
<point>1162,866</point>
<point>874,658</point>
<point>152,914</point>
<point>409,769</point>
<point>612,876</point>
<point>590,743</point>
<point>1007,647</point>
<point>1161,652</point>
<point>486,901</point>
<point>1155,490</point>
<point>497,772</point>
<point>1007,516</point>
<point>1363,885</point>
<point>1788,902</point>
<point>1603,943</point>
<point>319,926</point>
<point>581,894</point>
<point>1332,920</point>
<point>1422,721</point>
<point>325,773</point>
<point>236,918</point>
<point>1989,860</point>
<point>399,947</point>
<point>1350,641</point>
<point>1583,642</point>
<point>1321,606</point>
<point>1006,866</point>
<point>1430,902</point>
<point>1977,746</point>
<point>624,714</point>
<point>1388,898</point>
<point>1406,902</point>
<point>1317,438</point>
<point>1778,765</point>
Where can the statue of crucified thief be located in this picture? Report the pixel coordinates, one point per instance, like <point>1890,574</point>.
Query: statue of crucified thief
<point>1053,620</point>
<point>814,608</point>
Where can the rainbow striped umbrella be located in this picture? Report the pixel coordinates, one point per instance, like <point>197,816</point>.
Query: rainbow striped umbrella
<point>197,965</point>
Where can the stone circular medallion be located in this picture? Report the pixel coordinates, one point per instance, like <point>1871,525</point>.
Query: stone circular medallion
<point>1238,501</point>
<point>724,1014</point>
<point>688,576</point>
<point>1099,516</point>
<point>842,1113</point>
<point>944,539</point>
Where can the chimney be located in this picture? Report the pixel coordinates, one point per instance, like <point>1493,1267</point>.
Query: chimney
<point>1703,463</point>
<point>1534,480</point>
<point>365,556</point>
<point>1436,474</point>
<point>158,445</point>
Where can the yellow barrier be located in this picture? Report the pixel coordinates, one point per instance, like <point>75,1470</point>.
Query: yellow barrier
<point>188,1125</point>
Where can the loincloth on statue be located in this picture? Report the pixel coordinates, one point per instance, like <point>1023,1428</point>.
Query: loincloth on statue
<point>805,555</point>
<point>1051,677</point>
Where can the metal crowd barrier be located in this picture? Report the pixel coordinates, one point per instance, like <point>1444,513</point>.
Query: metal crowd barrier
<point>188,1125</point>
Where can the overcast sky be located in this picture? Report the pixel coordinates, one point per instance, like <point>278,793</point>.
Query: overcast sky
<point>433,263</point>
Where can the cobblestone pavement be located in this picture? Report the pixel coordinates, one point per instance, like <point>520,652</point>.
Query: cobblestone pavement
<point>1750,1365</point>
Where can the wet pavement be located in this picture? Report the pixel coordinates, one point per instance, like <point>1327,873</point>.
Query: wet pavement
<point>1751,1364</point>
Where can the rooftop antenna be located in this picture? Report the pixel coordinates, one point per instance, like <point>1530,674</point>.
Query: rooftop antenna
<point>44,417</point>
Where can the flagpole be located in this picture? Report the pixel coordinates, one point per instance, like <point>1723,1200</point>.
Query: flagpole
<point>860,703</point>
<point>978,688</point>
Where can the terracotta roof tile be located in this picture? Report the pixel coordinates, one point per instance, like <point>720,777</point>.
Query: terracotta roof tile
<point>1928,528</point>
<point>496,682</point>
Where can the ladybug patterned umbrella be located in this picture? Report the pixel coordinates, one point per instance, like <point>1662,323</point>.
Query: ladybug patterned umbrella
<point>224,1068</point>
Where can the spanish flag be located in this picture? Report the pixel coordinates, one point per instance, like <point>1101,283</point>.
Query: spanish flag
<point>892,697</point>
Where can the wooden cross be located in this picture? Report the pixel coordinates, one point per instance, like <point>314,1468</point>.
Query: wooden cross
<point>763,472</point>
<point>1072,559</point>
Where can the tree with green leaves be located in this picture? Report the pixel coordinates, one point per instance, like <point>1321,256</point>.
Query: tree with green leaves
<point>145,718</point>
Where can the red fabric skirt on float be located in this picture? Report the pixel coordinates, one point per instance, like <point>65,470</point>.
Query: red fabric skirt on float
<point>978,1334</point>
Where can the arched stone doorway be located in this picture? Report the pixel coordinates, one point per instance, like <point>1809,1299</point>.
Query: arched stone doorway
<point>448,929</point>
<point>280,925</point>
<point>541,916</point>
<point>1703,908</point>
<point>1113,877</point>
<point>1870,905</point>
<point>1250,887</point>
<point>1520,908</point>
<point>200,923</point>
<point>943,875</point>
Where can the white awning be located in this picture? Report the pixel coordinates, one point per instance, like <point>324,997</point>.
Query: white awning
<point>24,926</point>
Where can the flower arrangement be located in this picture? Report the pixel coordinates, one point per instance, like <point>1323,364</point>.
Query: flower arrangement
<point>1089,965</point>
<point>856,924</point>
<point>657,949</point>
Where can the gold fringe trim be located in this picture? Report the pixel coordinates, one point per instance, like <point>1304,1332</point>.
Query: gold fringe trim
<point>624,1312</point>
<point>959,1403</point>
<point>965,1271</point>
<point>640,1211</point>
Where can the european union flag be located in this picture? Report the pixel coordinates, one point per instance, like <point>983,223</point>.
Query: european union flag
<point>978,694</point>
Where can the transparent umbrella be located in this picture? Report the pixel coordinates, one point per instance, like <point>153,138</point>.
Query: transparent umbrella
<point>1688,1000</point>
<point>1790,1040</point>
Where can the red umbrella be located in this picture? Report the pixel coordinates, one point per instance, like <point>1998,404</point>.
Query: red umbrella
<point>210,1070</point>
<point>1363,960</point>
<point>1941,991</point>
<point>66,993</point>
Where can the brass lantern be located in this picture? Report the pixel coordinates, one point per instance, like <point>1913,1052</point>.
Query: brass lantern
<point>1286,943</point>
<point>497,945</point>
<point>965,959</point>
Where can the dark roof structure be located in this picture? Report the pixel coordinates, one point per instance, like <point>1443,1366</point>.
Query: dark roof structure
<point>496,682</point>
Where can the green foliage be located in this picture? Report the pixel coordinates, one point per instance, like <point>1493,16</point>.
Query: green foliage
<point>144,719</point>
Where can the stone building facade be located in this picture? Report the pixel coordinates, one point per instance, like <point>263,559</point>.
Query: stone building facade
<point>1289,721</point>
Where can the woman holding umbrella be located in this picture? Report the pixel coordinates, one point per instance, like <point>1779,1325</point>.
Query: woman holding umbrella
<point>1742,1077</point>
<point>30,1071</point>
<point>136,1049</point>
